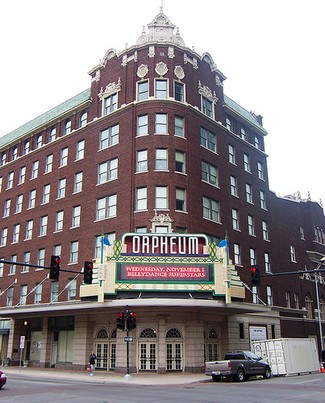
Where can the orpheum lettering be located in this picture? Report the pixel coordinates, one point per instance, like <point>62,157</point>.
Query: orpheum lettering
<point>160,244</point>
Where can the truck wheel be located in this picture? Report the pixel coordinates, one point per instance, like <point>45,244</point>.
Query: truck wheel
<point>268,373</point>
<point>240,376</point>
<point>216,378</point>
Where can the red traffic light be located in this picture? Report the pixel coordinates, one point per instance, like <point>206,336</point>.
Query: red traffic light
<point>255,275</point>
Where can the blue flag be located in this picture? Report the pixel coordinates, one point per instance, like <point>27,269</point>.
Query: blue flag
<point>223,243</point>
<point>105,241</point>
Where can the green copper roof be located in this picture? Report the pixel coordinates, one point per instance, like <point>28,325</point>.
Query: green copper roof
<point>45,117</point>
<point>243,112</point>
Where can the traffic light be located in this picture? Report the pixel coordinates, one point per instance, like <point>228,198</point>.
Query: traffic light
<point>255,275</point>
<point>88,272</point>
<point>120,320</point>
<point>55,267</point>
<point>131,320</point>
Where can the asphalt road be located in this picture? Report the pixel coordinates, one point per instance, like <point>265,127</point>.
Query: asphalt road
<point>306,389</point>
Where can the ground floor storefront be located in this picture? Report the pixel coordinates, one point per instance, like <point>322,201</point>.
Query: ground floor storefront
<point>170,335</point>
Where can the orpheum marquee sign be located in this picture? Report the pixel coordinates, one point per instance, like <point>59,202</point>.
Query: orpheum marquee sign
<point>164,244</point>
<point>165,257</point>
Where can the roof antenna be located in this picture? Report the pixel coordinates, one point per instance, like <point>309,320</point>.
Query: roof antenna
<point>162,6</point>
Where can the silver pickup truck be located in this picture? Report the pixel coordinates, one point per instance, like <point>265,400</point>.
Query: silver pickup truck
<point>238,365</point>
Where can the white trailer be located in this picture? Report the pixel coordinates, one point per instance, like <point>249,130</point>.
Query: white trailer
<point>289,356</point>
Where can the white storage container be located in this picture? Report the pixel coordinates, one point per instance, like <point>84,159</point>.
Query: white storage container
<point>289,356</point>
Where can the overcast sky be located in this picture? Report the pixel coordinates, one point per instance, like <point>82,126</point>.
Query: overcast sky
<point>271,51</point>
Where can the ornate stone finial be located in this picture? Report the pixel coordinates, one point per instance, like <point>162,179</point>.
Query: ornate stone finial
<point>161,30</point>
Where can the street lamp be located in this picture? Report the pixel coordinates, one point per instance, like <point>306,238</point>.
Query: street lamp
<point>320,263</point>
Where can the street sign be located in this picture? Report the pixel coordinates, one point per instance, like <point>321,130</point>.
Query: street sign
<point>128,339</point>
<point>22,342</point>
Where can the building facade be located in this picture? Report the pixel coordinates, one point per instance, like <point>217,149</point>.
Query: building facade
<point>154,146</point>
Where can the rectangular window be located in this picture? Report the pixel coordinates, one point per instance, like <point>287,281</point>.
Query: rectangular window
<point>161,89</point>
<point>43,226</point>
<point>161,123</point>
<point>257,142</point>
<point>249,193</point>
<point>231,154</point>
<point>252,256</point>
<point>293,254</point>
<point>6,210</point>
<point>59,220</point>
<point>19,204</point>
<point>251,225</point>
<point>143,91</point>
<point>80,150</point>
<point>110,104</point>
<point>228,123</point>
<point>38,294</point>
<point>34,173</point>
<point>14,153</point>
<point>76,216</point>
<point>208,140</point>
<point>207,107</point>
<point>106,207</point>
<point>233,186</point>
<point>61,188</point>
<point>46,193</point>
<point>10,296</point>
<point>15,234</point>
<point>247,163</point>
<point>32,199</point>
<point>25,269</point>
<point>267,263</point>
<point>142,128</point>
<point>262,200</point>
<point>161,197</point>
<point>74,250</point>
<point>265,231</point>
<point>29,229</point>
<point>237,255</point>
<point>179,123</point>
<point>243,132</point>
<point>10,180</point>
<point>72,290</point>
<point>48,163</point>
<point>180,199</point>
<point>22,175</point>
<point>41,257</point>
<point>141,199</point>
<point>64,157</point>
<point>209,173</point>
<point>161,161</point>
<point>78,177</point>
<point>12,267</point>
<point>211,209</point>
<point>23,295</point>
<point>107,171</point>
<point>269,295</point>
<point>255,294</point>
<point>296,300</point>
<point>109,137</point>
<point>54,291</point>
<point>4,237</point>
<point>180,162</point>
<point>260,170</point>
<point>235,219</point>
<point>142,161</point>
<point>179,91</point>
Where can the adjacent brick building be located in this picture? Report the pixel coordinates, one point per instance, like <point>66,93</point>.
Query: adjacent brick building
<point>153,145</point>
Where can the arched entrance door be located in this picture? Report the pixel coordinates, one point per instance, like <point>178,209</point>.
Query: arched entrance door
<point>105,348</point>
<point>148,350</point>
<point>174,350</point>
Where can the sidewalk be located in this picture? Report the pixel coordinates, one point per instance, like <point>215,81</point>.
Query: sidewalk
<point>104,377</point>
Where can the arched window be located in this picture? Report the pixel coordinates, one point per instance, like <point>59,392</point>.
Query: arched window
<point>67,126</point>
<point>113,334</point>
<point>102,334</point>
<point>148,334</point>
<point>173,334</point>
<point>213,334</point>
<point>83,119</point>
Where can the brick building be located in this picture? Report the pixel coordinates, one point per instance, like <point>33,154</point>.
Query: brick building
<point>153,146</point>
